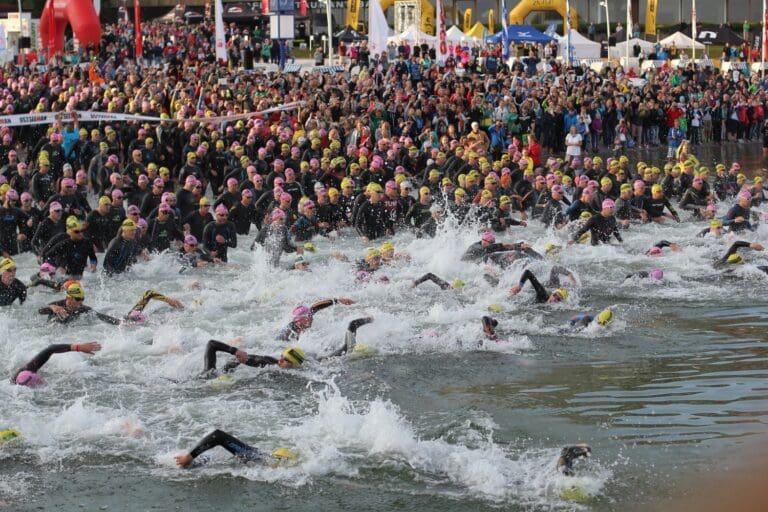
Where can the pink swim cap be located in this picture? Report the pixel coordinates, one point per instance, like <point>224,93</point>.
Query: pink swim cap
<point>277,214</point>
<point>655,251</point>
<point>137,316</point>
<point>487,236</point>
<point>221,210</point>
<point>47,268</point>
<point>28,378</point>
<point>300,312</point>
<point>285,196</point>
<point>656,274</point>
<point>190,240</point>
<point>608,203</point>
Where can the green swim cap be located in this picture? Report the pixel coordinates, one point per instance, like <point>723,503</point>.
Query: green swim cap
<point>495,308</point>
<point>735,259</point>
<point>457,283</point>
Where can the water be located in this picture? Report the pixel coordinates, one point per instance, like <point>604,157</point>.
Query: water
<point>432,422</point>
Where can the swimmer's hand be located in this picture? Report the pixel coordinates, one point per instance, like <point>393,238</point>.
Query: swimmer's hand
<point>345,301</point>
<point>59,311</point>
<point>184,460</point>
<point>755,246</point>
<point>175,303</point>
<point>515,289</point>
<point>90,347</point>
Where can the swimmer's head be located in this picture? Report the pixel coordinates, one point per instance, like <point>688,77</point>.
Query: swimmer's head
<point>284,455</point>
<point>569,455</point>
<point>28,378</point>
<point>656,274</point>
<point>655,251</point>
<point>137,316</point>
<point>47,268</point>
<point>605,317</point>
<point>558,295</point>
<point>292,358</point>
<point>487,237</point>
<point>552,250</point>
<point>735,259</point>
<point>302,315</point>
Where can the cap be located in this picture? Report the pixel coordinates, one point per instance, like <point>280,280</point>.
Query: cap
<point>562,292</point>
<point>716,223</point>
<point>295,356</point>
<point>488,236</point>
<point>656,274</point>
<point>134,210</point>
<point>104,200</point>
<point>735,259</point>
<point>75,290</point>
<point>128,224</point>
<point>309,247</point>
<point>28,378</point>
<point>608,203</point>
<point>221,210</point>
<point>300,312</point>
<point>277,214</point>
<point>73,224</point>
<point>7,264</point>
<point>655,251</point>
<point>371,253</point>
<point>605,317</point>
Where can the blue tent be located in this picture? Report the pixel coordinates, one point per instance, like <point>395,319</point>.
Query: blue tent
<point>520,34</point>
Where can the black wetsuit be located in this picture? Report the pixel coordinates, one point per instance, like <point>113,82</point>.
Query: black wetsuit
<point>16,290</point>
<point>72,255</point>
<point>41,358</point>
<point>230,443</point>
<point>541,293</point>
<point>212,230</point>
<point>214,346</point>
<point>120,255</point>
<point>477,251</point>
<point>291,333</point>
<point>601,229</point>
<point>75,313</point>
<point>444,285</point>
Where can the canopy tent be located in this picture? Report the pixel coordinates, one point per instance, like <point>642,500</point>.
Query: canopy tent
<point>582,47</point>
<point>349,35</point>
<point>520,34</point>
<point>455,35</point>
<point>720,35</point>
<point>681,42</point>
<point>620,50</point>
<point>412,34</point>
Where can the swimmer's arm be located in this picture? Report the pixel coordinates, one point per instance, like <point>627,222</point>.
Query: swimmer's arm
<point>431,277</point>
<point>49,283</point>
<point>541,292</point>
<point>350,337</point>
<point>149,295</point>
<point>108,319</point>
<point>317,306</point>
<point>733,248</point>
<point>44,355</point>
<point>219,438</point>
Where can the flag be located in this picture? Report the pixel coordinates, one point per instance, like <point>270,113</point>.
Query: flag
<point>650,17</point>
<point>630,31</point>
<point>467,20</point>
<point>221,43</point>
<point>491,22</point>
<point>378,28</point>
<point>353,13</point>
<point>303,7</point>
<point>504,35</point>
<point>694,31</point>
<point>139,41</point>
<point>51,30</point>
<point>568,30</point>
<point>442,47</point>
<point>264,6</point>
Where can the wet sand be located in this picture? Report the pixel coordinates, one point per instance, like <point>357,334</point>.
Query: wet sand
<point>739,484</point>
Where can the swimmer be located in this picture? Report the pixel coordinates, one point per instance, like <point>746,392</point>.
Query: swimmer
<point>569,455</point>
<point>604,318</point>
<point>370,264</point>
<point>46,276</point>
<point>389,256</point>
<point>487,247</point>
<point>291,358</point>
<point>300,264</point>
<point>10,287</point>
<point>715,229</point>
<point>733,257</point>
<point>656,250</point>
<point>28,375</point>
<point>443,284</point>
<point>656,275</point>
<point>601,226</point>
<point>489,328</point>
<point>303,316</point>
<point>542,295</point>
<point>233,445</point>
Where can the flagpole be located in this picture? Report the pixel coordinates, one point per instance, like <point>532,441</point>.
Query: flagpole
<point>762,40</point>
<point>628,29</point>
<point>330,31</point>
<point>693,31</point>
<point>568,32</point>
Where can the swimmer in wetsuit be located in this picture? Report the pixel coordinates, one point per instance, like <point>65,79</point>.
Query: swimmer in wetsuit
<point>443,284</point>
<point>542,295</point>
<point>656,274</point>
<point>291,358</point>
<point>303,316</point>
<point>487,248</point>
<point>733,257</point>
<point>27,375</point>
<point>233,445</point>
<point>11,288</point>
<point>569,455</point>
<point>72,307</point>
<point>604,318</point>
<point>657,248</point>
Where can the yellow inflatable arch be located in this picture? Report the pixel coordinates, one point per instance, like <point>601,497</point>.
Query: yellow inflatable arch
<point>525,7</point>
<point>427,14</point>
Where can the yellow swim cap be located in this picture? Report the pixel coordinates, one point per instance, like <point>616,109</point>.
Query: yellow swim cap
<point>605,317</point>
<point>295,356</point>
<point>7,264</point>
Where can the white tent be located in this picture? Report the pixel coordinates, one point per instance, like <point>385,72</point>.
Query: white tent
<point>455,35</point>
<point>681,42</point>
<point>620,50</point>
<point>583,48</point>
<point>412,34</point>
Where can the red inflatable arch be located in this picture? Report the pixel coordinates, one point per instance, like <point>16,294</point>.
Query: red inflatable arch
<point>80,14</point>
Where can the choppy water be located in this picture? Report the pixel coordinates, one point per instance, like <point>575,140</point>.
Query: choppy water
<point>430,423</point>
